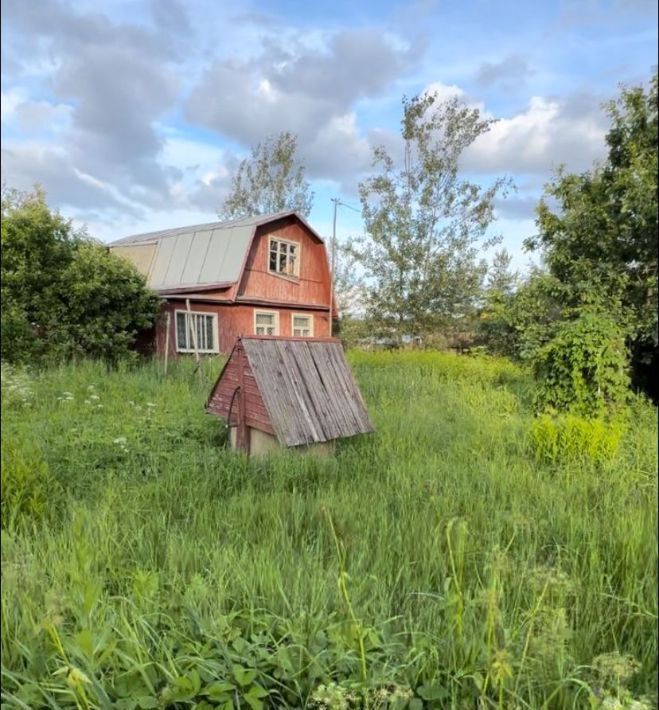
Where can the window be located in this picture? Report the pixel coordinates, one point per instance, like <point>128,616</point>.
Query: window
<point>266,322</point>
<point>284,258</point>
<point>302,326</point>
<point>205,330</point>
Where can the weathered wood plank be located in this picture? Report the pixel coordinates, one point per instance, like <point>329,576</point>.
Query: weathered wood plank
<point>302,389</point>
<point>302,381</point>
<point>335,397</point>
<point>318,393</point>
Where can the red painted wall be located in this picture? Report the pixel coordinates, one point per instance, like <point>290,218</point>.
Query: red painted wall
<point>233,320</point>
<point>313,284</point>
<point>220,401</point>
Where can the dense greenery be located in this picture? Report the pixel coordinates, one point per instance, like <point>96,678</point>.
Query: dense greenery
<point>467,554</point>
<point>425,222</point>
<point>271,180</point>
<point>63,294</point>
<point>598,235</point>
<point>602,241</point>
<point>583,368</point>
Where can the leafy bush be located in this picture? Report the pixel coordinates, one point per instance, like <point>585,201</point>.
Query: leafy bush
<point>568,438</point>
<point>63,294</point>
<point>583,368</point>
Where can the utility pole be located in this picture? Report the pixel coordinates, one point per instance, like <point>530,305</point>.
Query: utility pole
<point>336,202</point>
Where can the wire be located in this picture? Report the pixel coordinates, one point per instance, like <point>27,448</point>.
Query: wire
<point>343,204</point>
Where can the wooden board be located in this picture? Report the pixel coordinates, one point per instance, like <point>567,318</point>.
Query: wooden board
<point>307,388</point>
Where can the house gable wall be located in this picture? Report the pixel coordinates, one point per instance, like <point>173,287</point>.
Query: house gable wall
<point>312,287</point>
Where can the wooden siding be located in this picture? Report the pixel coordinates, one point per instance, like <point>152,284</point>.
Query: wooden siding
<point>233,320</point>
<point>313,284</point>
<point>220,401</point>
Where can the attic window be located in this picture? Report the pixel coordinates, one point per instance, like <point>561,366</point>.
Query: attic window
<point>201,327</point>
<point>302,326</point>
<point>284,258</point>
<point>266,323</point>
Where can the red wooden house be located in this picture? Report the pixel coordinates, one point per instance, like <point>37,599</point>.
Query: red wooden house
<point>266,275</point>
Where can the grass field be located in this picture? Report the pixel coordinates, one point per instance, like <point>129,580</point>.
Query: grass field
<point>460,557</point>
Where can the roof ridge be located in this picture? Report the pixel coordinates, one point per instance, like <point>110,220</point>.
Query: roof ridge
<point>205,226</point>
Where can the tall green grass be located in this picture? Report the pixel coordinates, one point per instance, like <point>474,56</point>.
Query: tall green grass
<point>437,563</point>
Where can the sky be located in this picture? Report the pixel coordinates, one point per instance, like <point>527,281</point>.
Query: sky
<point>133,116</point>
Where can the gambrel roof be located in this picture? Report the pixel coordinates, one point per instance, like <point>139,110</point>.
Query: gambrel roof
<point>198,257</point>
<point>309,393</point>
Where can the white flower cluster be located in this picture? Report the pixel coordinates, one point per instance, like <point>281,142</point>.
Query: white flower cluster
<point>16,390</point>
<point>121,442</point>
<point>93,399</point>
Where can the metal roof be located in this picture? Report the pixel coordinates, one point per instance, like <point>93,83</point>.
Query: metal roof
<point>197,255</point>
<point>307,388</point>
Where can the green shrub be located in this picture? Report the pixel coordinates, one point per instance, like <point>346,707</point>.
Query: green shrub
<point>571,438</point>
<point>583,368</point>
<point>64,295</point>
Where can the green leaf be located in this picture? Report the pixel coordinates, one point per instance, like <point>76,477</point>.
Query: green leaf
<point>218,690</point>
<point>253,697</point>
<point>243,676</point>
<point>432,691</point>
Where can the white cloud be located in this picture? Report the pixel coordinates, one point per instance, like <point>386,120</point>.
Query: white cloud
<point>547,133</point>
<point>10,100</point>
<point>307,88</point>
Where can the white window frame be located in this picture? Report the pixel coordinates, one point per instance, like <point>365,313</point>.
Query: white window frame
<point>266,312</point>
<point>187,314</point>
<point>295,276</point>
<point>309,316</point>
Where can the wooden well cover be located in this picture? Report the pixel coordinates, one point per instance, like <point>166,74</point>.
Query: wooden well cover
<point>299,389</point>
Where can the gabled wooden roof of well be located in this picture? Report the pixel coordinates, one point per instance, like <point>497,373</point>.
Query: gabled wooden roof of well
<point>307,388</point>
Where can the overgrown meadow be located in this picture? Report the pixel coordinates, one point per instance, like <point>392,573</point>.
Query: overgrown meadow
<point>466,555</point>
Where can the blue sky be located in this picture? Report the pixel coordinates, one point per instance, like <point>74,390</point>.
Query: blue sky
<point>134,115</point>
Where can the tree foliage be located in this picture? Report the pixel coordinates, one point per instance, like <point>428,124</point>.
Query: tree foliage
<point>424,222</point>
<point>501,278</point>
<point>64,294</point>
<point>271,180</point>
<point>601,239</point>
<point>519,316</point>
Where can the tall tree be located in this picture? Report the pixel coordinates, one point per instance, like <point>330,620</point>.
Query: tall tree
<point>424,222</point>
<point>501,278</point>
<point>601,243</point>
<point>271,180</point>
